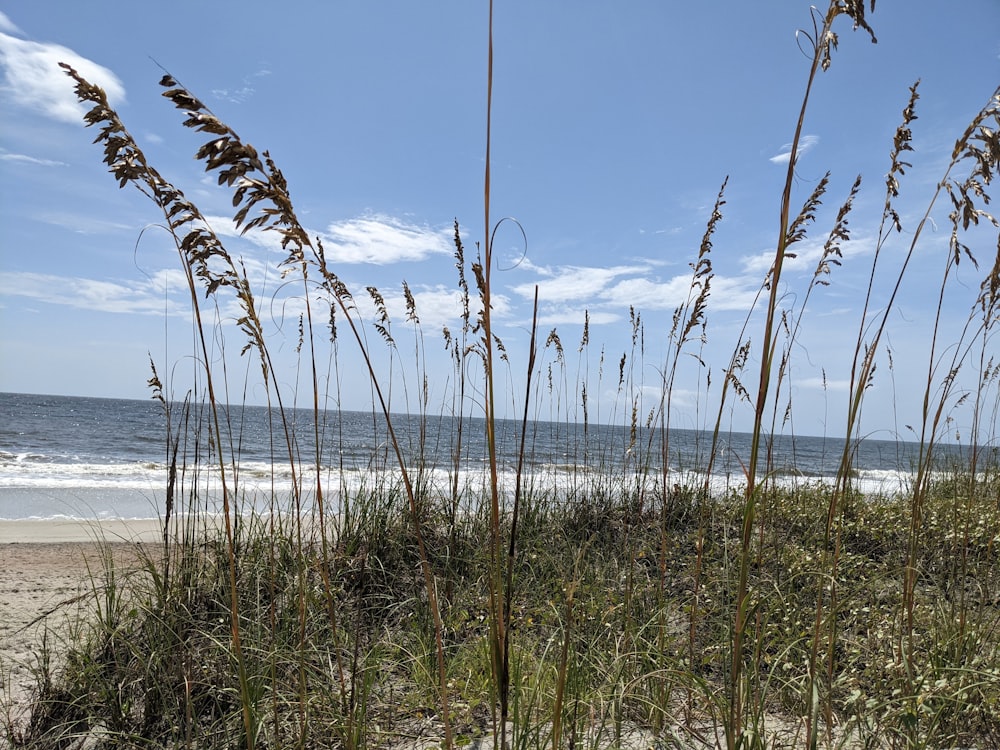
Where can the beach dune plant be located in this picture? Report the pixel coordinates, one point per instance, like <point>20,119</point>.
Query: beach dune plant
<point>629,601</point>
<point>262,202</point>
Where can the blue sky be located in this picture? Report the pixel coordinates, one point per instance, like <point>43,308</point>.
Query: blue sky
<point>614,126</point>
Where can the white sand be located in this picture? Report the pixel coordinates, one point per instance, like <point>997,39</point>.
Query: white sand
<point>44,569</point>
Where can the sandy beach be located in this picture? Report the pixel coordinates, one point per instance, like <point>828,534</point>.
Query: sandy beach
<point>44,572</point>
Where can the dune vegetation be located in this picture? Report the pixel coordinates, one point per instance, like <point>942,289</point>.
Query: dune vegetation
<point>630,610</point>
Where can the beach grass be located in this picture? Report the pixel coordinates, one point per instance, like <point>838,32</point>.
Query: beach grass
<point>626,608</point>
<point>602,649</point>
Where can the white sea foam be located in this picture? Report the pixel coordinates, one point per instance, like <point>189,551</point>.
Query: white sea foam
<point>257,480</point>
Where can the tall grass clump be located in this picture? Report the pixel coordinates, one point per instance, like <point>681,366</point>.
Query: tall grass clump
<point>625,600</point>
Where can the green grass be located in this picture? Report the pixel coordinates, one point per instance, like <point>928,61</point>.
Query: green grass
<point>613,612</point>
<point>154,667</point>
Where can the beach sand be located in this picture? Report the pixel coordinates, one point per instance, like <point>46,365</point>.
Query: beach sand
<point>44,572</point>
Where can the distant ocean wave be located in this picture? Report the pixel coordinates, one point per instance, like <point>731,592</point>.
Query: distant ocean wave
<point>106,458</point>
<point>89,491</point>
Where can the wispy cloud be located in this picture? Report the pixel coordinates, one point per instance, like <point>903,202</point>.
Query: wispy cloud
<point>566,291</point>
<point>573,283</point>
<point>560,316</point>
<point>822,384</point>
<point>377,239</point>
<point>725,293</point>
<point>241,93</point>
<point>7,26</point>
<point>650,294</point>
<point>81,222</point>
<point>149,297</point>
<point>24,159</point>
<point>382,240</point>
<point>436,307</point>
<point>234,96</point>
<point>159,293</point>
<point>806,144</point>
<point>223,226</point>
<point>807,254</point>
<point>32,78</point>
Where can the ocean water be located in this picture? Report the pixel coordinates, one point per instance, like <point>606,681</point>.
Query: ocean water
<point>90,458</point>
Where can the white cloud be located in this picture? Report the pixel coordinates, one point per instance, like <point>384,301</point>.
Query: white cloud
<point>649,294</point>
<point>133,298</point>
<point>725,293</point>
<point>576,316</point>
<point>169,280</point>
<point>573,283</point>
<point>821,384</point>
<point>436,307</point>
<point>806,144</point>
<point>82,223</point>
<point>7,26</point>
<point>234,96</point>
<point>378,239</point>
<point>383,240</point>
<point>807,254</point>
<point>161,293</point>
<point>569,290</point>
<point>223,226</point>
<point>733,293</point>
<point>243,92</point>
<point>32,160</point>
<point>32,78</point>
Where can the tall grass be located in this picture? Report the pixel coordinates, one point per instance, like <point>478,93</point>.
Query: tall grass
<point>633,603</point>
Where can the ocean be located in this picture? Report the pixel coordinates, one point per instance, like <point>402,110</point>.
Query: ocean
<point>92,458</point>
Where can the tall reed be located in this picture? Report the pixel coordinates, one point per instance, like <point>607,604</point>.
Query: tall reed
<point>823,42</point>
